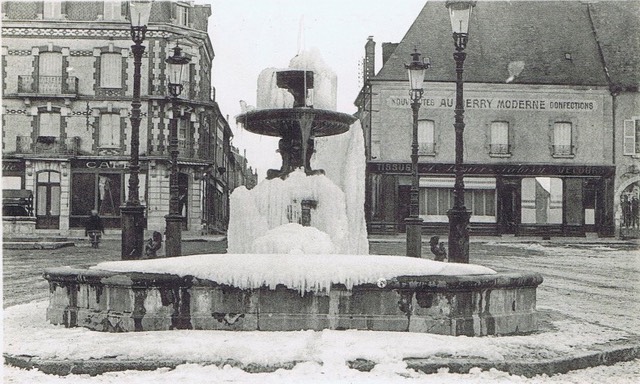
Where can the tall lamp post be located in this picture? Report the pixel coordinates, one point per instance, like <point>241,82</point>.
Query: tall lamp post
<point>133,212</point>
<point>416,70</point>
<point>176,63</point>
<point>460,13</point>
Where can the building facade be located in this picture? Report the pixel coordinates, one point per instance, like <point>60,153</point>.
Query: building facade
<point>67,71</point>
<point>542,132</point>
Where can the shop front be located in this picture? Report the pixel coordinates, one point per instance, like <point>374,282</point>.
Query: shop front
<point>101,185</point>
<point>518,199</point>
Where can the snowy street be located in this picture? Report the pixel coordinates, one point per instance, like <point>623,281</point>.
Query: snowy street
<point>588,297</point>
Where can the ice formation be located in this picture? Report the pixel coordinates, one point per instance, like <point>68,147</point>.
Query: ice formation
<point>339,193</point>
<point>324,93</point>
<point>311,273</point>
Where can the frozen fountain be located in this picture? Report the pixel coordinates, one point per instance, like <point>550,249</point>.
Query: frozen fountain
<point>298,250</point>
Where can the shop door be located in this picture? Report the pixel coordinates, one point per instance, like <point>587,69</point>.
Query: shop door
<point>509,206</point>
<point>404,202</point>
<point>48,200</point>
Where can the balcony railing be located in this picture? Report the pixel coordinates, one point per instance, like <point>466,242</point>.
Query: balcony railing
<point>48,85</point>
<point>426,148</point>
<point>47,145</point>
<point>500,149</point>
<point>563,150</point>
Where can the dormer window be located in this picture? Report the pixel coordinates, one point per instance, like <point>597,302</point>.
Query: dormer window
<point>182,15</point>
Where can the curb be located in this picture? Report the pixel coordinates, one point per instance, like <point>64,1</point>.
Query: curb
<point>37,244</point>
<point>608,354</point>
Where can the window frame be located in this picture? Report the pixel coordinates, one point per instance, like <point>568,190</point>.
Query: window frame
<point>631,137</point>
<point>556,150</point>
<point>499,149</point>
<point>114,127</point>
<point>426,148</point>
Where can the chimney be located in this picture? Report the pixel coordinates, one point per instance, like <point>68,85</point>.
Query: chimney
<point>369,58</point>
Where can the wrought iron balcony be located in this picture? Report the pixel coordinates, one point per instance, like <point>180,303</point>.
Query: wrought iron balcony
<point>48,85</point>
<point>499,149</point>
<point>47,146</point>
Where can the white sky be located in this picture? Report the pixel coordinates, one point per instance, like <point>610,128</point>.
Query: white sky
<point>251,35</point>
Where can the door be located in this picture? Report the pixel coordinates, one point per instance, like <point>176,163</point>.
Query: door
<point>48,200</point>
<point>509,195</point>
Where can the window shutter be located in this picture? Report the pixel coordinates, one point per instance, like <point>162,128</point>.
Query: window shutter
<point>111,70</point>
<point>629,137</point>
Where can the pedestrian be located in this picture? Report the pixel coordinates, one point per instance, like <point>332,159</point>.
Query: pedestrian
<point>626,211</point>
<point>634,212</point>
<point>94,228</point>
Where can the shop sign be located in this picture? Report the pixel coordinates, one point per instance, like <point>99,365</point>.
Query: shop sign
<point>98,164</point>
<point>496,103</point>
<point>494,169</point>
<point>12,168</point>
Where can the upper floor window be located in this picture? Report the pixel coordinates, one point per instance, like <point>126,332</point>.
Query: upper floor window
<point>632,137</point>
<point>50,72</point>
<point>112,10</point>
<point>109,136</point>
<point>52,9</point>
<point>426,134</point>
<point>562,139</point>
<point>182,15</point>
<point>49,124</point>
<point>111,70</point>
<point>500,138</point>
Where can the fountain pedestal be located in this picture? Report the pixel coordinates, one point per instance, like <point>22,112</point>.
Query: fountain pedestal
<point>478,305</point>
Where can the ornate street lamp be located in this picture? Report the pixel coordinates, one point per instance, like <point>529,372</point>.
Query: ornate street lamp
<point>175,67</point>
<point>460,13</point>
<point>416,70</point>
<point>133,212</point>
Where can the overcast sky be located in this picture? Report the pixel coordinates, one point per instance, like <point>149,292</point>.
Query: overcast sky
<point>251,35</point>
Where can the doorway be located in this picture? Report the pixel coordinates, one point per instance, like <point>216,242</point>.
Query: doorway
<point>48,200</point>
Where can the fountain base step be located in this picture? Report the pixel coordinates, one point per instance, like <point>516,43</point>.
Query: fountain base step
<point>472,305</point>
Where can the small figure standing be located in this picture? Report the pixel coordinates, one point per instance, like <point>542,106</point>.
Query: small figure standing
<point>94,228</point>
<point>634,212</point>
<point>437,248</point>
<point>153,245</point>
<point>626,211</point>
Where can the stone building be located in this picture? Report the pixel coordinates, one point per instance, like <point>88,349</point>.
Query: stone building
<point>67,71</point>
<point>550,95</point>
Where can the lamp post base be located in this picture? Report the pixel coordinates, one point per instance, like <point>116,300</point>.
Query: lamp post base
<point>173,241</point>
<point>459,235</point>
<point>414,236</point>
<point>132,231</point>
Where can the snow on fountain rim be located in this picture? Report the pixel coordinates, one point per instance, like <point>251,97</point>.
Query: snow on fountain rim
<point>304,273</point>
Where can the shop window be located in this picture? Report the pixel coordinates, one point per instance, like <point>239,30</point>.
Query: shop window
<point>109,136</point>
<point>437,198</point>
<point>426,142</point>
<point>631,137</point>
<point>100,191</point>
<point>500,145</point>
<point>111,70</point>
<point>541,200</point>
<point>562,139</point>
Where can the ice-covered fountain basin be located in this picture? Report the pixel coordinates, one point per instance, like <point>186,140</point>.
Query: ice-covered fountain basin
<point>293,292</point>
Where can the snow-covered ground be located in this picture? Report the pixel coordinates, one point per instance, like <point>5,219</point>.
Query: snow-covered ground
<point>589,296</point>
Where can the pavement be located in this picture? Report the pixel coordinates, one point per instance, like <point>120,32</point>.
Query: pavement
<point>529,364</point>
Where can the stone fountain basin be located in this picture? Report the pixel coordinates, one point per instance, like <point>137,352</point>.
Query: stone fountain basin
<point>281,122</point>
<point>227,292</point>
